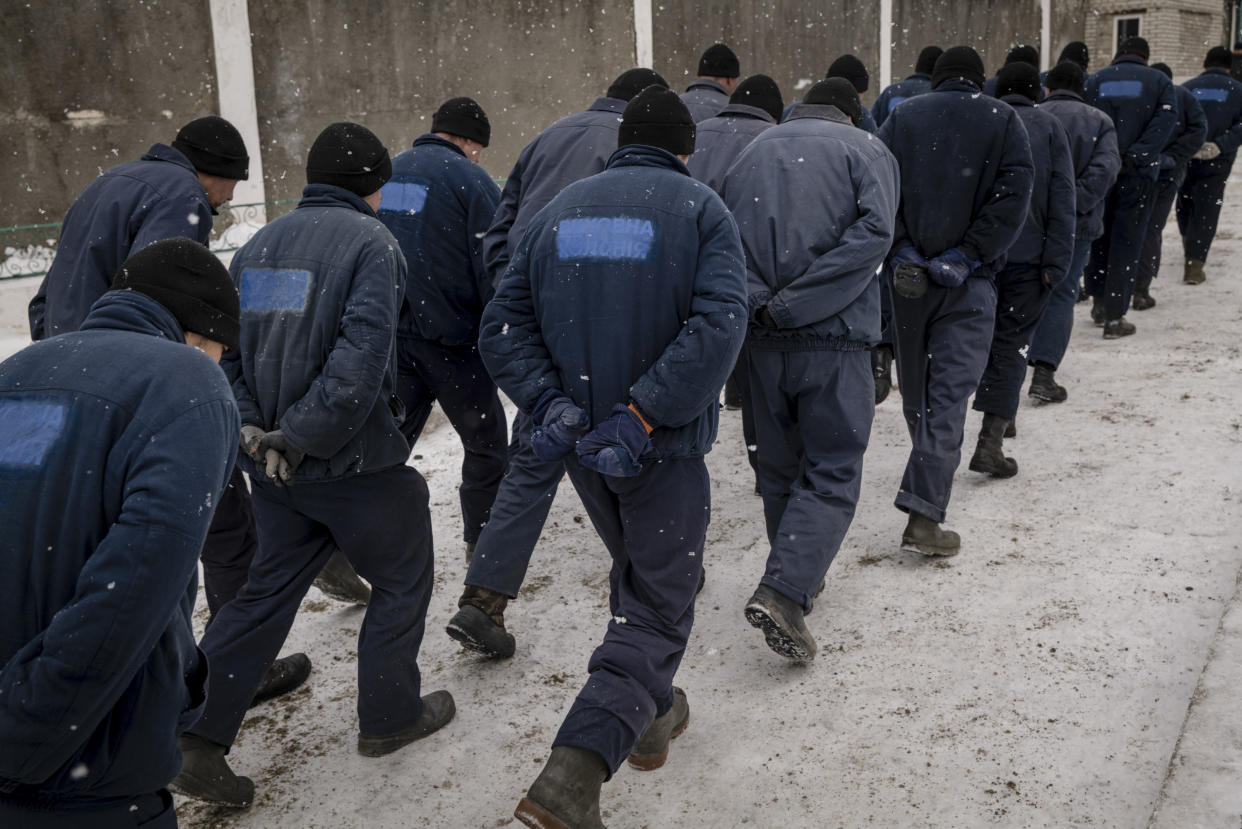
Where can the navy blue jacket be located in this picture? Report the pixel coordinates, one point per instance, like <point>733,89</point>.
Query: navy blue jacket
<point>866,123</point>
<point>629,286</point>
<point>321,289</point>
<point>573,148</point>
<point>705,99</point>
<point>124,210</point>
<point>895,93</point>
<point>438,204</point>
<point>1187,137</point>
<point>815,200</point>
<point>1093,144</point>
<point>1221,98</point>
<point>115,444</point>
<point>1047,237</point>
<point>937,138</point>
<point>719,140</point>
<point>1143,105</point>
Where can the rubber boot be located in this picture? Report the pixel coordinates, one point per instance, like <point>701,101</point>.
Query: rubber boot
<point>1193,273</point>
<point>479,623</point>
<point>882,369</point>
<point>1044,386</point>
<point>651,750</point>
<point>1011,429</point>
<point>1118,328</point>
<point>470,545</point>
<point>205,775</point>
<point>565,795</point>
<point>337,580</point>
<point>286,674</point>
<point>781,620</point>
<point>1097,311</point>
<point>438,711</point>
<point>925,536</point>
<point>989,454</point>
<point>1140,298</point>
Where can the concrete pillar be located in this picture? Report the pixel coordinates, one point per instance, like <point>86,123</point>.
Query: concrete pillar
<point>886,43</point>
<point>230,32</point>
<point>644,35</point>
<point>1045,34</point>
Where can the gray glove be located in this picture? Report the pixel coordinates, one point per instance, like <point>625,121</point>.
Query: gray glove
<point>250,437</point>
<point>280,458</point>
<point>1208,151</point>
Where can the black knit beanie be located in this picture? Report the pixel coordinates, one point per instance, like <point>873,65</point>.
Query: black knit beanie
<point>658,118</point>
<point>191,283</point>
<point>1218,57</point>
<point>959,62</point>
<point>837,92</point>
<point>215,147</point>
<point>1163,69</point>
<point>1023,54</point>
<point>762,92</point>
<point>1018,78</point>
<point>927,59</point>
<point>852,69</point>
<point>1076,52</point>
<point>719,62</point>
<point>349,156</point>
<point>1136,46</point>
<point>632,81</point>
<point>463,117</point>
<point>1066,75</point>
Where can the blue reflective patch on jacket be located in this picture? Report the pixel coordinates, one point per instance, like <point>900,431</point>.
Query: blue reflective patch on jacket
<point>604,238</point>
<point>29,429</point>
<point>1121,89</point>
<point>403,197</point>
<point>1215,95</point>
<point>274,289</point>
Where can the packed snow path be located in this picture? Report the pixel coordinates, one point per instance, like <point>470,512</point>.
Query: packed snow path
<point>1043,677</point>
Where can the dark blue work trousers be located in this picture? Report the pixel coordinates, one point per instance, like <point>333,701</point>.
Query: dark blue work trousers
<point>1149,259</point>
<point>518,514</point>
<point>654,526</point>
<point>381,522</point>
<point>741,381</point>
<point>230,544</point>
<point>1020,299</point>
<point>941,342</point>
<point>1115,255</point>
<point>813,413</point>
<point>456,376</point>
<point>1198,205</point>
<point>148,811</point>
<point>1052,335</point>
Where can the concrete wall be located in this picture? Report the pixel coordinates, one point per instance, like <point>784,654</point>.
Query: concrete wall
<point>89,84</point>
<point>992,27</point>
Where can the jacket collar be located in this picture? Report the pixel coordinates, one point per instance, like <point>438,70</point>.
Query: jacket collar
<point>642,155</point>
<point>919,76</point>
<point>704,83</point>
<point>329,195</point>
<point>820,112</point>
<point>163,152</point>
<point>748,111</point>
<point>131,310</point>
<point>1218,70</point>
<point>957,85</point>
<point>1134,59</point>
<point>608,105</point>
<point>1063,95</point>
<point>429,138</point>
<point>1015,99</point>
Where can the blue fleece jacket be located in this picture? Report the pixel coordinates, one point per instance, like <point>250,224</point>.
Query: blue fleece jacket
<point>115,444</point>
<point>628,287</point>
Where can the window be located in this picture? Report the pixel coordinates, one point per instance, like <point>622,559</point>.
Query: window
<point>1127,26</point>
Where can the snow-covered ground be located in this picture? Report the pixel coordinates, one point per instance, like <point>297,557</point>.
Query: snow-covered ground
<point>1077,664</point>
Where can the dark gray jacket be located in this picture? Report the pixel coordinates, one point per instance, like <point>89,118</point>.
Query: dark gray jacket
<point>815,200</point>
<point>1093,144</point>
<point>705,99</point>
<point>719,140</point>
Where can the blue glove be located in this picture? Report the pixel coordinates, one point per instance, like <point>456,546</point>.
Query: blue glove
<point>558,423</point>
<point>951,268</point>
<point>614,446</point>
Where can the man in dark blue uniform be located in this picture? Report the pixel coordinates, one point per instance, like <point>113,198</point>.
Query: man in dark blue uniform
<point>314,377</point>
<point>438,204</point>
<point>1093,142</point>
<point>912,85</point>
<point>1187,139</point>
<point>629,405</point>
<point>116,440</point>
<point>1203,191</point>
<point>571,149</point>
<point>1018,54</point>
<point>719,71</point>
<point>1039,259</point>
<point>1143,106</point>
<point>951,237</point>
<point>815,200</point>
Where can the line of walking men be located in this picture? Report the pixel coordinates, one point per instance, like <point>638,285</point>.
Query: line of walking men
<point>641,253</point>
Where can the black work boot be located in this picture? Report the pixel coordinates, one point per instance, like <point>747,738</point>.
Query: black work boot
<point>205,775</point>
<point>438,710</point>
<point>781,620</point>
<point>1118,328</point>
<point>882,369</point>
<point>989,454</point>
<point>1140,297</point>
<point>565,795</point>
<point>470,545</point>
<point>479,623</point>
<point>286,674</point>
<point>1097,311</point>
<point>1193,273</point>
<point>651,750</point>
<point>923,535</point>
<point>337,580</point>
<point>1045,387</point>
<point>1011,429</point>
